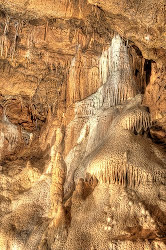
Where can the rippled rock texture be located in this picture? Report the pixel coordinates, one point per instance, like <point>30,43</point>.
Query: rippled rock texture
<point>82,125</point>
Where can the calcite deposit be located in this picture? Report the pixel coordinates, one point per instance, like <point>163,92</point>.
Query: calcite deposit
<point>82,125</point>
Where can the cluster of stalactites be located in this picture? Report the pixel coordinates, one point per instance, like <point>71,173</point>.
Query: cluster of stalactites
<point>136,120</point>
<point>4,46</point>
<point>124,174</point>
<point>34,110</point>
<point>9,132</point>
<point>116,73</point>
<point>8,48</point>
<point>117,96</point>
<point>106,97</point>
<point>11,138</point>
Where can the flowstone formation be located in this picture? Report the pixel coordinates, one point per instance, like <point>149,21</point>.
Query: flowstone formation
<point>129,170</point>
<point>82,125</point>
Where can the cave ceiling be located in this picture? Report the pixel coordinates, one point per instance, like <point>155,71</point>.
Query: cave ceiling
<point>82,124</point>
<point>39,40</point>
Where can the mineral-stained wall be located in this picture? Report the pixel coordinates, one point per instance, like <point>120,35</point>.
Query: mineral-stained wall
<point>82,125</point>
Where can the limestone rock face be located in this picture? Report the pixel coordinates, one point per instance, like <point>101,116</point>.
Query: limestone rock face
<point>135,18</point>
<point>82,125</point>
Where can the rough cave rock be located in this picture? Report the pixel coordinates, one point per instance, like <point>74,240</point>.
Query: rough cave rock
<point>82,125</point>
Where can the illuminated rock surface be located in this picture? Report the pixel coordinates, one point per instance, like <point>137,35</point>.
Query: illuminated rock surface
<point>82,125</point>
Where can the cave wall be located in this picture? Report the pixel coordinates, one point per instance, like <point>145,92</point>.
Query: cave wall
<point>82,124</point>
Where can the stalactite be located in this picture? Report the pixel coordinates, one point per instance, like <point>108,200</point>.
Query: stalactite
<point>124,174</point>
<point>13,49</point>
<point>136,120</point>
<point>4,43</point>
<point>46,30</point>
<point>11,133</point>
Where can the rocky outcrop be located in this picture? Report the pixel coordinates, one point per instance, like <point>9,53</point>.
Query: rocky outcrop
<point>82,124</point>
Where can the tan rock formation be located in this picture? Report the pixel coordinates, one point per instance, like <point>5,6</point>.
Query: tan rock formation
<point>82,124</point>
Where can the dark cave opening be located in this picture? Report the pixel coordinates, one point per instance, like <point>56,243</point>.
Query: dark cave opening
<point>147,69</point>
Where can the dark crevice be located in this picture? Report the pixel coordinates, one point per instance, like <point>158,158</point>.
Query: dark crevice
<point>147,69</point>
<point>137,50</point>
<point>136,72</point>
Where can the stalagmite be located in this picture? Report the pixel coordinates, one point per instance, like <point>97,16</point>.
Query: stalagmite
<point>129,128</point>
<point>58,179</point>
